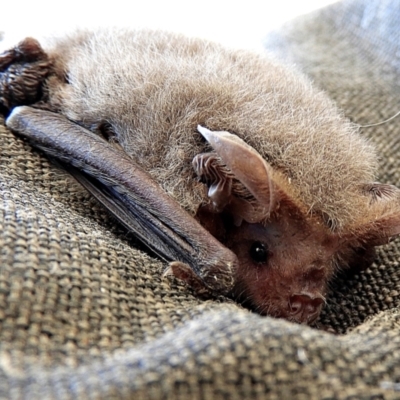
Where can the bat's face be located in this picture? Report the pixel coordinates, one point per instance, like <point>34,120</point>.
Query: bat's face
<point>286,254</point>
<point>283,268</point>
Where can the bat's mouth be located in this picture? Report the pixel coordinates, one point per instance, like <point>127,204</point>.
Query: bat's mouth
<point>300,318</point>
<point>308,319</point>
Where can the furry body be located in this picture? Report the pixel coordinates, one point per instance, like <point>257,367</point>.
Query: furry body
<point>154,88</point>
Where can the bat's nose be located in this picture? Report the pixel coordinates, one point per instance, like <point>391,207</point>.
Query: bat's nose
<point>305,307</point>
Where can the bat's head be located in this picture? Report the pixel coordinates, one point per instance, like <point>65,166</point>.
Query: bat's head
<point>286,254</point>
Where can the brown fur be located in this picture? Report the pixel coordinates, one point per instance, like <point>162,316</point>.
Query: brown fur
<point>153,88</point>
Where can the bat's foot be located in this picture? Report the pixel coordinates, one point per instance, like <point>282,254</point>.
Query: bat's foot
<point>23,70</point>
<point>211,171</point>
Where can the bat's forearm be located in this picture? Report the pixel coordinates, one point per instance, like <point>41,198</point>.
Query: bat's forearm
<point>129,193</point>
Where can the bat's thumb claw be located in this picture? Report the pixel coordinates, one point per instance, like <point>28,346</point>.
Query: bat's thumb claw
<point>168,272</point>
<point>184,273</point>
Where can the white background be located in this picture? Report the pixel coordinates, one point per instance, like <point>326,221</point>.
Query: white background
<point>235,23</point>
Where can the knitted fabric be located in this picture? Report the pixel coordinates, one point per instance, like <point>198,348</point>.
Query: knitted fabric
<point>85,312</point>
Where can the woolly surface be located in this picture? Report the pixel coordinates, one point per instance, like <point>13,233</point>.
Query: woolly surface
<point>85,314</point>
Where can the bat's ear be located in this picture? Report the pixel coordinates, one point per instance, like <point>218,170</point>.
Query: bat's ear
<point>234,161</point>
<point>383,219</point>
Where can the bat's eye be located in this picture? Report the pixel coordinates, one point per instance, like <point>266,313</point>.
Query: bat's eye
<point>259,252</point>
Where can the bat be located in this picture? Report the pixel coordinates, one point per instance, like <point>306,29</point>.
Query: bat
<point>225,163</point>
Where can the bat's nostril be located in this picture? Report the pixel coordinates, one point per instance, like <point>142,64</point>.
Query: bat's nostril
<point>305,304</point>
